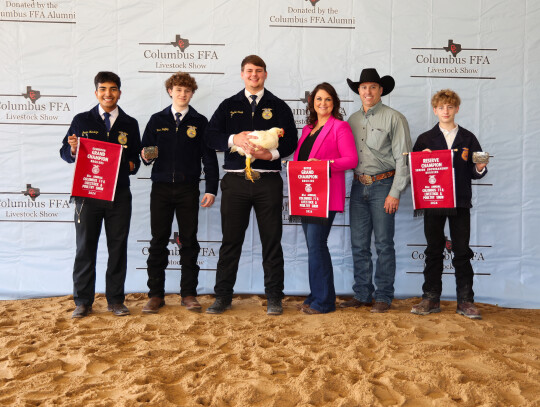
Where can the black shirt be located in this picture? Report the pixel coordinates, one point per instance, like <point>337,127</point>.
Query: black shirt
<point>307,145</point>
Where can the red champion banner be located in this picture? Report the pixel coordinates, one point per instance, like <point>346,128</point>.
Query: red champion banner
<point>309,188</point>
<point>96,169</point>
<point>432,179</point>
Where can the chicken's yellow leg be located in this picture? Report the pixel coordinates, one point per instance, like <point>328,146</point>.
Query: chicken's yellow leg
<point>248,169</point>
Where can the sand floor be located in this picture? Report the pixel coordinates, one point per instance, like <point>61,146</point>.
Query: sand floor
<point>246,358</point>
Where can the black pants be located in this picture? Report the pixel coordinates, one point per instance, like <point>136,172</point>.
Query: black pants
<point>460,229</point>
<point>239,196</point>
<point>116,218</point>
<point>166,200</point>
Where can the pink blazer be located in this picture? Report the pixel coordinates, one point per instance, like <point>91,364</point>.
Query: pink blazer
<point>334,142</point>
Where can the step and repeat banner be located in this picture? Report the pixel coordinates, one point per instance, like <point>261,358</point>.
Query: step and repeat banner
<point>486,51</point>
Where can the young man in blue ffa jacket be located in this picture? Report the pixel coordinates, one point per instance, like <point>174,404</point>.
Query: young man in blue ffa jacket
<point>177,132</point>
<point>253,108</point>
<point>105,122</point>
<point>448,135</point>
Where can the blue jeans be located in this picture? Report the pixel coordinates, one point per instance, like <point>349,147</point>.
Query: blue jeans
<point>367,216</point>
<point>321,274</point>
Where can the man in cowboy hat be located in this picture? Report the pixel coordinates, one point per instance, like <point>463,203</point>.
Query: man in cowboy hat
<point>382,136</point>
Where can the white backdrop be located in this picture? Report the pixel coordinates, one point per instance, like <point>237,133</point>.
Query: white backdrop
<point>51,51</point>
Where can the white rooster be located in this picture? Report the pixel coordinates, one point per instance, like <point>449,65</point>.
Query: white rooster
<point>268,139</point>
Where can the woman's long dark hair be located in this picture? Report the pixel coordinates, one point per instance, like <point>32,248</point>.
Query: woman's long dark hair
<point>311,117</point>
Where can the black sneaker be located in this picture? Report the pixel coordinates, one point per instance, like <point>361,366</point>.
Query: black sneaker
<point>219,306</point>
<point>274,306</point>
<point>81,311</point>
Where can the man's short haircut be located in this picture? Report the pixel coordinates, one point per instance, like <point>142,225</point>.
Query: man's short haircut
<point>445,97</point>
<point>106,76</point>
<point>181,79</point>
<point>255,60</point>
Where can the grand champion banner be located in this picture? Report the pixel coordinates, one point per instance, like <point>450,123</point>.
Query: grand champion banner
<point>309,188</point>
<point>432,179</point>
<point>96,169</point>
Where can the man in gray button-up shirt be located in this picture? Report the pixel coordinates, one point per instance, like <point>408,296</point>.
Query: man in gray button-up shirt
<point>382,136</point>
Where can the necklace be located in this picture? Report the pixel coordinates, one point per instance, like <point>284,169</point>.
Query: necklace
<point>78,212</point>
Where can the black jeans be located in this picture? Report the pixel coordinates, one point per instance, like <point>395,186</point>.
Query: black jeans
<point>92,215</point>
<point>460,229</point>
<point>166,200</point>
<point>265,196</point>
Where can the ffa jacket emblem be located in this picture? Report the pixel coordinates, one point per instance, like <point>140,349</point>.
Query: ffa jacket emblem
<point>191,131</point>
<point>122,138</point>
<point>465,154</point>
<point>267,114</point>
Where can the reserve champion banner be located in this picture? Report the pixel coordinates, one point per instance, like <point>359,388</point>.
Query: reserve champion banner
<point>432,179</point>
<point>486,51</point>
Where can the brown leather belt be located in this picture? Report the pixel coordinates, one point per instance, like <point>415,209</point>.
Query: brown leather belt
<point>370,179</point>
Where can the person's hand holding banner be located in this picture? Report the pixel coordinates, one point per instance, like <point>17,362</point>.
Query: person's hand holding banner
<point>309,187</point>
<point>96,169</point>
<point>432,179</point>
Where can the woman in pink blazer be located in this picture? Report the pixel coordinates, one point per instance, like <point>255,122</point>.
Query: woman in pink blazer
<point>326,137</point>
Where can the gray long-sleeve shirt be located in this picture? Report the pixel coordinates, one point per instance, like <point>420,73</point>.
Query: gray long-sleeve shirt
<point>382,136</point>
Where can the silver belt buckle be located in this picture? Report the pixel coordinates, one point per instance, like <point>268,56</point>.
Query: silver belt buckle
<point>365,179</point>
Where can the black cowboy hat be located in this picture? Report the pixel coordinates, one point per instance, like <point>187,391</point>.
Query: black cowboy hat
<point>371,75</point>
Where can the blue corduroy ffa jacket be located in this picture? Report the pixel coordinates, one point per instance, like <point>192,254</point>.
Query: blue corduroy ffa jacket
<point>180,151</point>
<point>464,169</point>
<point>234,116</point>
<point>125,131</point>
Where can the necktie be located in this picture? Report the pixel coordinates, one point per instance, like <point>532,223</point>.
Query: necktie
<point>107,121</point>
<point>253,104</point>
<point>178,115</point>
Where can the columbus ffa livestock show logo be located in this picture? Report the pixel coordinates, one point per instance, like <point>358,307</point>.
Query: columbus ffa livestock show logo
<point>453,60</point>
<point>172,56</point>
<point>33,205</point>
<point>418,258</point>
<point>31,94</point>
<point>33,193</point>
<point>180,43</point>
<point>312,16</point>
<point>207,260</point>
<point>34,107</point>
